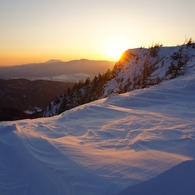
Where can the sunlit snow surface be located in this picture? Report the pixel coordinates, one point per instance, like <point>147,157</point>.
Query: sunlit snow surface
<point>101,147</point>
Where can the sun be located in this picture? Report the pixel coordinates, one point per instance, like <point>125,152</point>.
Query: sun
<point>115,52</point>
<point>114,49</point>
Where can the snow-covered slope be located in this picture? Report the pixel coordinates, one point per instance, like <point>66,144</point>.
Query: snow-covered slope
<point>104,146</point>
<point>178,180</point>
<point>137,69</point>
<point>140,68</point>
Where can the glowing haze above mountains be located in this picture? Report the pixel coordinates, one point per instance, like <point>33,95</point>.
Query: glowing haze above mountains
<point>35,31</point>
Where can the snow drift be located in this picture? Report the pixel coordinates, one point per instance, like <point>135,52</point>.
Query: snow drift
<point>178,180</point>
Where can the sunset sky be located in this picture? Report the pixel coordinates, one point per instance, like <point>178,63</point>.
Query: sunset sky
<point>39,30</point>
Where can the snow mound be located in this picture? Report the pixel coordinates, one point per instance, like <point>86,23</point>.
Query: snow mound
<point>101,147</point>
<point>178,180</point>
<point>9,129</point>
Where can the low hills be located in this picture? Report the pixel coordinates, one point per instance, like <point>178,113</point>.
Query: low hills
<point>70,71</point>
<point>22,98</point>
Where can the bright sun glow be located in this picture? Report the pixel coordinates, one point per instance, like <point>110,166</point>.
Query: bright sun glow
<point>115,52</point>
<point>114,48</point>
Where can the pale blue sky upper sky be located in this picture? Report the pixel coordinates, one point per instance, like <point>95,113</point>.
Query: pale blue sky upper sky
<point>38,30</point>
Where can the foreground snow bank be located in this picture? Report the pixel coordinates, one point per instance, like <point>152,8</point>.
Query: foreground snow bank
<point>178,180</point>
<point>101,147</point>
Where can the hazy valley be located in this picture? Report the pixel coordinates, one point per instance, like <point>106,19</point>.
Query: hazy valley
<point>26,90</point>
<point>56,70</point>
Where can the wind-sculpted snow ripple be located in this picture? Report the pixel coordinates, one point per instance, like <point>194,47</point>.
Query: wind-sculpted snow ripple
<point>101,147</point>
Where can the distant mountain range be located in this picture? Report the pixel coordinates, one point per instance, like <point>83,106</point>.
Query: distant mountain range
<point>57,70</point>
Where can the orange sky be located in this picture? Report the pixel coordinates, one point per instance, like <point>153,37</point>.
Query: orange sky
<point>36,31</point>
